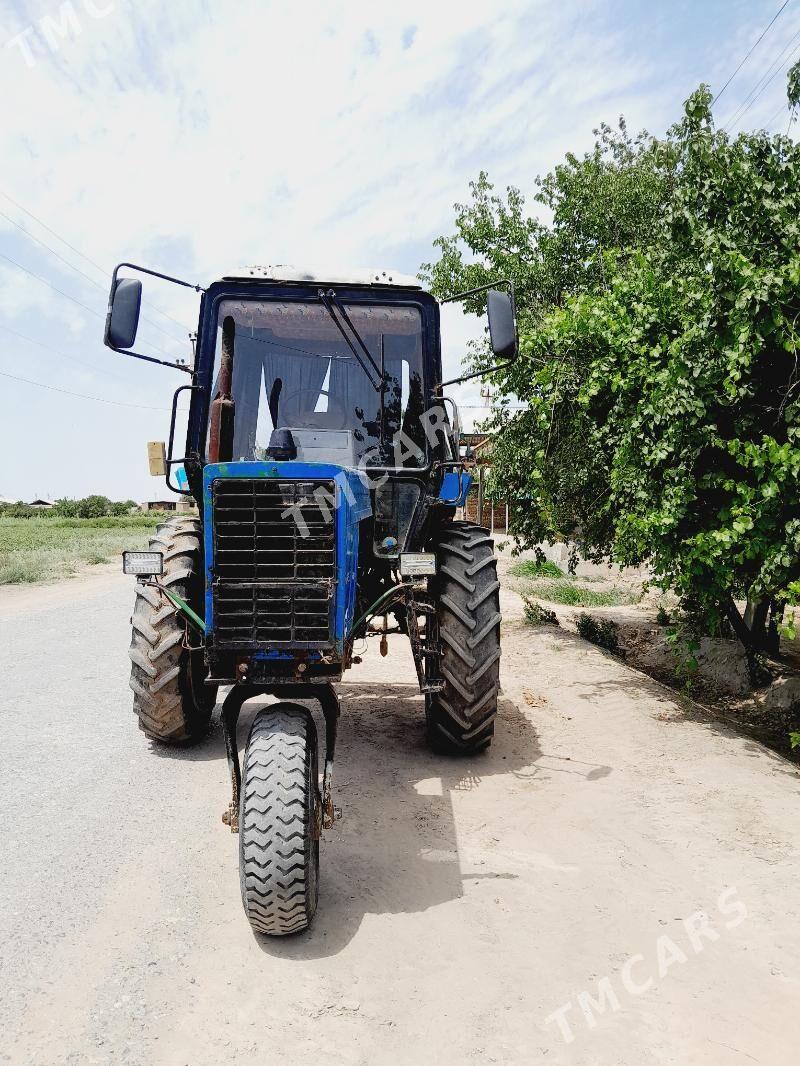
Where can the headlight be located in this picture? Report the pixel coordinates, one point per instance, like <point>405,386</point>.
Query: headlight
<point>417,564</point>
<point>143,564</point>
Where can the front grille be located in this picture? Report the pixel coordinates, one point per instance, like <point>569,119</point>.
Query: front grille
<point>273,575</point>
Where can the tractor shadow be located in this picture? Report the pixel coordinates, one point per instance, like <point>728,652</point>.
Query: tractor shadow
<point>395,850</point>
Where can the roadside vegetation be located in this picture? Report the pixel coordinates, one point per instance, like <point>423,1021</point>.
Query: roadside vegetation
<point>653,418</point>
<point>48,547</point>
<point>600,631</point>
<point>659,371</point>
<point>87,507</point>
<point>543,580</point>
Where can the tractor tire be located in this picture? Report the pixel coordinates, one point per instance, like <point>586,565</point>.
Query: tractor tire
<point>169,698</point>
<point>279,810</point>
<point>460,719</point>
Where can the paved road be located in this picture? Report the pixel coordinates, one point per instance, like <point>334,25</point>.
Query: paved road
<point>462,904</point>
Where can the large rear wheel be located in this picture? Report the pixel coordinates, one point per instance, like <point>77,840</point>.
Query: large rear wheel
<point>279,821</point>
<point>460,719</point>
<point>169,698</point>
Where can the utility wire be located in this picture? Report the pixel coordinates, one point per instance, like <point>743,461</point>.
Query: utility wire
<point>768,124</point>
<point>44,225</point>
<point>92,281</point>
<point>758,42</point>
<point>775,63</point>
<point>58,256</point>
<point>77,251</point>
<point>50,285</point>
<point>766,78</point>
<point>66,262</point>
<point>766,83</point>
<point>81,395</point>
<point>63,355</point>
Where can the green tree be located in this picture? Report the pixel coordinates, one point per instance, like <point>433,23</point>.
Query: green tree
<point>65,508</point>
<point>94,507</point>
<point>660,370</point>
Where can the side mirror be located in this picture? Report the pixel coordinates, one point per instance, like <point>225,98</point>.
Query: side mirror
<point>502,327</point>
<point>122,319</point>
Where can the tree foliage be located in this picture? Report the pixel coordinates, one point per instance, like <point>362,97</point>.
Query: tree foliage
<point>659,363</point>
<point>88,507</point>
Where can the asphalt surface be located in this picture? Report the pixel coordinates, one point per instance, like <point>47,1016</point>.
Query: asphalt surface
<point>537,904</point>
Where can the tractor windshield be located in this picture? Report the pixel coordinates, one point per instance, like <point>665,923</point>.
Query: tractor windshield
<point>294,370</point>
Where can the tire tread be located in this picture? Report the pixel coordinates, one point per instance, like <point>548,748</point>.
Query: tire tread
<point>461,718</point>
<point>278,852</point>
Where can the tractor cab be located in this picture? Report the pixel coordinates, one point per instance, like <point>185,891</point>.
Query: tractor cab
<point>336,372</point>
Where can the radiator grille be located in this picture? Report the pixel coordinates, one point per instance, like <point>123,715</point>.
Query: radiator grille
<point>273,576</point>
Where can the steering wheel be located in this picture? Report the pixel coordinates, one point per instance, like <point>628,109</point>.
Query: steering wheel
<point>285,400</point>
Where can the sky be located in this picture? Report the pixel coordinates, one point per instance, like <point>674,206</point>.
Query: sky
<point>196,137</point>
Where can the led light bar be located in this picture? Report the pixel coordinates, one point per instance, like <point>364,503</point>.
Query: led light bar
<point>143,564</point>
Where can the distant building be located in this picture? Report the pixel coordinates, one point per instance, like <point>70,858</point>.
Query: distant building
<point>43,504</point>
<point>159,505</point>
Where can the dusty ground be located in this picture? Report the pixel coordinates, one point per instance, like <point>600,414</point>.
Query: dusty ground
<point>462,903</point>
<point>721,682</point>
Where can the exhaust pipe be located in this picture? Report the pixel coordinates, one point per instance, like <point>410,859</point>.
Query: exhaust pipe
<point>223,408</point>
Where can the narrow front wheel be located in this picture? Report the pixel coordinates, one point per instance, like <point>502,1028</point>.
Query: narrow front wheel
<point>279,819</point>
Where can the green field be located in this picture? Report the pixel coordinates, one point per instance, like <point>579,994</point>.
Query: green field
<point>47,549</point>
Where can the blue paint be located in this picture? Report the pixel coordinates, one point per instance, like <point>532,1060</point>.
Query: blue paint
<point>352,505</point>
<point>449,492</point>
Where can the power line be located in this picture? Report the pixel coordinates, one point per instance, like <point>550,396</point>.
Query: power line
<point>77,252</point>
<point>50,285</point>
<point>766,78</point>
<point>44,225</point>
<point>769,122</point>
<point>80,395</point>
<point>775,63</point>
<point>741,114</point>
<point>758,42</point>
<point>61,292</point>
<point>97,285</point>
<point>58,256</point>
<point>63,355</point>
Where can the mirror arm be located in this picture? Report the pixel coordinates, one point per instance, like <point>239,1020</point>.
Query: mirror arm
<point>155,274</point>
<point>478,374</point>
<point>474,292</point>
<point>164,277</point>
<point>150,359</point>
<point>484,288</point>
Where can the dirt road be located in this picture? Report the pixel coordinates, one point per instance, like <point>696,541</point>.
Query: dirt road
<point>537,904</point>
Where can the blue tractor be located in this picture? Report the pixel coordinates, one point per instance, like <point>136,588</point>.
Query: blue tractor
<point>326,469</point>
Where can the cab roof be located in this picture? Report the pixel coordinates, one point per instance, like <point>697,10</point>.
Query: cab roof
<point>285,273</point>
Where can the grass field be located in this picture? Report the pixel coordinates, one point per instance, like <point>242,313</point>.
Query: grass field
<point>47,549</point>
